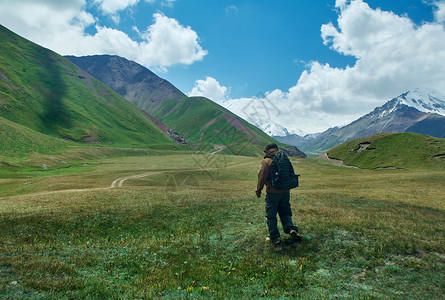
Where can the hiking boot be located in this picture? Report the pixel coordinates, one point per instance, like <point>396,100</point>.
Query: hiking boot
<point>275,242</point>
<point>294,234</point>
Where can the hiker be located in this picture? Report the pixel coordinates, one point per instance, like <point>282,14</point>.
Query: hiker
<point>277,200</point>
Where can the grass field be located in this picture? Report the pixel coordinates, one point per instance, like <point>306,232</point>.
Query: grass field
<point>190,226</point>
<point>393,150</point>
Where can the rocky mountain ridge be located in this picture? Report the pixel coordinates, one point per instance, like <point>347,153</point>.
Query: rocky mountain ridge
<point>421,110</point>
<point>129,79</point>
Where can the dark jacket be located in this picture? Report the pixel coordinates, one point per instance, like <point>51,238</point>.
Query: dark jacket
<point>266,172</point>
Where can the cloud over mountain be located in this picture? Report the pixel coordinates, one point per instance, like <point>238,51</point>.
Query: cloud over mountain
<point>62,27</point>
<point>393,54</point>
<point>210,88</point>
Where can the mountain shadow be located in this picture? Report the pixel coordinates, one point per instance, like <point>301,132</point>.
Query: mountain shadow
<point>55,111</point>
<point>45,92</point>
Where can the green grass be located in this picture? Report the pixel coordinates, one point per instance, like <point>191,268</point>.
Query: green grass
<point>45,92</point>
<point>17,140</point>
<point>194,229</point>
<point>399,150</point>
<point>205,123</point>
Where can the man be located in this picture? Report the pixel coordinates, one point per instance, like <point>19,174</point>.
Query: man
<point>277,201</point>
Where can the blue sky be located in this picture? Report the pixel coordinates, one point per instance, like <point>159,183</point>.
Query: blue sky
<point>253,45</point>
<point>313,60</point>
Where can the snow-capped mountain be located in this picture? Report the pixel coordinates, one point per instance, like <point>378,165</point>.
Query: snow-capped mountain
<point>274,129</point>
<point>423,99</point>
<point>262,114</point>
<point>421,110</point>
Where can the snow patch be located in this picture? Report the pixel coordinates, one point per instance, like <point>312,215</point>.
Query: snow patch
<point>425,100</point>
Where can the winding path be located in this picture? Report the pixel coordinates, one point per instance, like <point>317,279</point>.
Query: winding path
<point>117,182</point>
<point>335,162</point>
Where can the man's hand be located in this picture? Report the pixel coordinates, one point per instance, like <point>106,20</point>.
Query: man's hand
<point>258,194</point>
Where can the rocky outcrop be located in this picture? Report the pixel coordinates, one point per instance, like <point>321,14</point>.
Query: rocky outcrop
<point>293,152</point>
<point>170,132</point>
<point>176,137</point>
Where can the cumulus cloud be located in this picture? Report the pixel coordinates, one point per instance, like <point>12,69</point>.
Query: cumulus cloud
<point>439,12</point>
<point>167,42</point>
<point>114,6</point>
<point>393,55</point>
<point>210,88</point>
<point>61,25</point>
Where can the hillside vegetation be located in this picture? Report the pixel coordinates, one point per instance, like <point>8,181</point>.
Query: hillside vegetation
<point>45,92</point>
<point>17,140</point>
<point>202,122</point>
<point>398,150</point>
<point>205,123</point>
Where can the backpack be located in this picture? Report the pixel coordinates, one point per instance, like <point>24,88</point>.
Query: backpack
<point>284,177</point>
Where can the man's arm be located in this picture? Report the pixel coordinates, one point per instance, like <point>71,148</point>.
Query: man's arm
<point>263,175</point>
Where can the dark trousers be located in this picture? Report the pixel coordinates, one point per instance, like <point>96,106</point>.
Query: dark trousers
<point>278,203</point>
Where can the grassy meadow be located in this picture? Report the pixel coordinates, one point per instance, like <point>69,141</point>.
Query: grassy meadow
<point>190,226</point>
<point>393,150</point>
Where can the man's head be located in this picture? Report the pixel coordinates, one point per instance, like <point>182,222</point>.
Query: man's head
<point>270,146</point>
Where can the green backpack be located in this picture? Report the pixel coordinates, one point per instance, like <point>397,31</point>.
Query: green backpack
<point>284,177</point>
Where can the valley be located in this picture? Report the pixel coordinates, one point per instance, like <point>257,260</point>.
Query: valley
<point>117,185</point>
<point>179,226</point>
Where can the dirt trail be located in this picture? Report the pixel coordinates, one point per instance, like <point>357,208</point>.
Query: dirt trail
<point>335,162</point>
<point>120,181</point>
<point>117,182</point>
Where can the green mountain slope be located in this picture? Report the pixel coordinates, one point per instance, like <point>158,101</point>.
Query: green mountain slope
<point>201,121</point>
<point>396,150</point>
<point>17,140</point>
<point>45,92</point>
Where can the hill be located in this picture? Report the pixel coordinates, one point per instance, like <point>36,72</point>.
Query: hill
<point>46,93</point>
<point>17,140</point>
<point>200,121</point>
<point>396,150</point>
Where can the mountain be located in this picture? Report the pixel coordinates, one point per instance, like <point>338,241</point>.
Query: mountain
<point>259,112</point>
<point>392,150</point>
<point>274,129</point>
<point>47,94</point>
<point>130,80</point>
<point>200,121</point>
<point>297,140</point>
<point>420,111</point>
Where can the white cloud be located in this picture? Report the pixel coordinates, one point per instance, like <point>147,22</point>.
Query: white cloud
<point>113,6</point>
<point>439,12</point>
<point>210,88</point>
<point>166,42</point>
<point>61,25</point>
<point>393,55</point>
<point>341,3</point>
